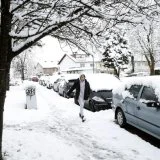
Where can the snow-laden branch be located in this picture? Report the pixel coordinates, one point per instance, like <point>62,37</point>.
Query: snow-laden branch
<point>34,38</point>
<point>34,19</point>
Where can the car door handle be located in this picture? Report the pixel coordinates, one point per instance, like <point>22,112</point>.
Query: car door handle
<point>138,108</point>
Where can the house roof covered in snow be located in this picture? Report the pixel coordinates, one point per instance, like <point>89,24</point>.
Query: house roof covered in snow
<point>48,64</point>
<point>85,58</point>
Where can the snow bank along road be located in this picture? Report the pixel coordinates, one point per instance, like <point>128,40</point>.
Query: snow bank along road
<point>55,132</point>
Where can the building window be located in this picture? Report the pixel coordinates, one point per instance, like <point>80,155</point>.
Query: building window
<point>82,65</point>
<point>91,65</point>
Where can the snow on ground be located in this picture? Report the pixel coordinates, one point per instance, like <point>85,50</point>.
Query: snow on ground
<point>55,132</point>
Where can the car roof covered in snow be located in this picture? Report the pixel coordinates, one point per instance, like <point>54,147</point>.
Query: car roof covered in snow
<point>102,81</point>
<point>150,81</point>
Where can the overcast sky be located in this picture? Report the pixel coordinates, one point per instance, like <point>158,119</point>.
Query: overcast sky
<point>51,50</point>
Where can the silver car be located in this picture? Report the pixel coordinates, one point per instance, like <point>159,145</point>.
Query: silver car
<point>137,102</point>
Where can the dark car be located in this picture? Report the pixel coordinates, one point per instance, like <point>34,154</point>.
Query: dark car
<point>34,79</point>
<point>101,91</point>
<point>99,100</point>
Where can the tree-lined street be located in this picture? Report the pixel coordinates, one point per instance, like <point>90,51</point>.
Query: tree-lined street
<point>83,24</point>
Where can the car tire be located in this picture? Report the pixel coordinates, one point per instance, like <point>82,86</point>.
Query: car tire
<point>121,119</point>
<point>91,106</point>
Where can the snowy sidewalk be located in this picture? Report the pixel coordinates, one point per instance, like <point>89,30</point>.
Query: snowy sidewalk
<point>55,132</point>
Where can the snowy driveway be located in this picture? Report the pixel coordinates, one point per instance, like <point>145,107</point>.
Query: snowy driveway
<point>55,132</point>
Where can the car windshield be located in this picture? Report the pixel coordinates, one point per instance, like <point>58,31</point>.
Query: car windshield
<point>104,93</point>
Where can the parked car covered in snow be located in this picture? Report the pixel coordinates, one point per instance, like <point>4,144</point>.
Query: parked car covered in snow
<point>50,81</point>
<point>43,80</point>
<point>66,83</point>
<point>34,79</point>
<point>101,91</point>
<point>137,102</point>
<point>138,74</point>
<point>56,83</point>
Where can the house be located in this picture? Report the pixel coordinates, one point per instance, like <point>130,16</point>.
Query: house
<point>78,63</point>
<point>46,67</point>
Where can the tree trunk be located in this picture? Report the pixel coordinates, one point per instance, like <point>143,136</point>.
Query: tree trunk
<point>5,46</point>
<point>4,72</point>
<point>3,76</point>
<point>152,71</point>
<point>119,70</point>
<point>132,63</point>
<point>152,66</point>
<point>22,73</point>
<point>116,71</point>
<point>8,75</point>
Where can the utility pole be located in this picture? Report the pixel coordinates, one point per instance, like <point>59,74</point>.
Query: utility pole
<point>92,61</point>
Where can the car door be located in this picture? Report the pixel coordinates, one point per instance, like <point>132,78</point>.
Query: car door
<point>149,115</point>
<point>131,104</point>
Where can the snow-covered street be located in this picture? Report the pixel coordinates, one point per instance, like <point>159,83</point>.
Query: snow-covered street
<point>55,132</point>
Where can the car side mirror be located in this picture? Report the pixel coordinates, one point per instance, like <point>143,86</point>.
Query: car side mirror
<point>157,105</point>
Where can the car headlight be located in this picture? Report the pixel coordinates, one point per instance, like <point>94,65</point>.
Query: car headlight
<point>98,99</point>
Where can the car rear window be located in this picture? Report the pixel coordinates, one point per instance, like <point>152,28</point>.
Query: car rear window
<point>71,82</point>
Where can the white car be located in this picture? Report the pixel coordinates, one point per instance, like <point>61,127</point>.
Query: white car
<point>66,83</point>
<point>57,82</point>
<point>43,80</point>
<point>137,102</point>
<point>48,82</point>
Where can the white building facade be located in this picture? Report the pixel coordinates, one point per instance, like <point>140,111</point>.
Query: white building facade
<point>79,63</point>
<point>46,68</point>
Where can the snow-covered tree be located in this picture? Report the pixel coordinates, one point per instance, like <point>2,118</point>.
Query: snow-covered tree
<point>23,64</point>
<point>94,27</point>
<point>117,53</point>
<point>147,41</point>
<point>25,22</point>
<point>147,46</point>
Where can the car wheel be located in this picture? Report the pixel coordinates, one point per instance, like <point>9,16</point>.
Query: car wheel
<point>121,120</point>
<point>91,106</point>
